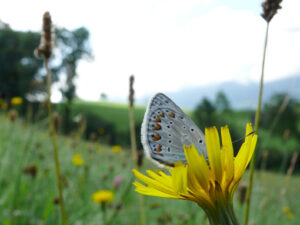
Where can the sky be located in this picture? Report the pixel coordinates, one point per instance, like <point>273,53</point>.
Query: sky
<point>168,44</point>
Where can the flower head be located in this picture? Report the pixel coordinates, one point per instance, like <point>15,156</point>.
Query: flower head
<point>46,46</point>
<point>103,196</point>
<point>118,181</point>
<point>77,159</point>
<point>16,101</point>
<point>287,212</point>
<point>208,182</point>
<point>116,148</point>
<point>270,8</point>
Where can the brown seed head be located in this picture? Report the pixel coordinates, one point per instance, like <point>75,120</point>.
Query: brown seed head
<point>270,8</point>
<point>140,157</point>
<point>31,170</point>
<point>56,201</point>
<point>131,90</point>
<point>242,190</point>
<point>46,45</point>
<point>13,115</point>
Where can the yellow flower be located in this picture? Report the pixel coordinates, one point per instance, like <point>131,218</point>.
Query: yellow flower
<point>77,159</point>
<point>16,101</point>
<point>103,196</point>
<point>288,212</point>
<point>208,182</point>
<point>116,148</point>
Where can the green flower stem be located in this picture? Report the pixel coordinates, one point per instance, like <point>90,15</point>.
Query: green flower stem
<point>122,199</point>
<point>257,120</point>
<point>103,209</point>
<point>222,215</point>
<point>54,145</point>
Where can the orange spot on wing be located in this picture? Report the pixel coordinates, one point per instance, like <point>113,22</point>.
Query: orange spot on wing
<point>171,114</point>
<point>157,119</point>
<point>157,127</point>
<point>158,148</point>
<point>156,137</point>
<point>162,115</point>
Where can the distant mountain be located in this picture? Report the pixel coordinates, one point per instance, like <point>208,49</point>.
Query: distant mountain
<point>241,96</point>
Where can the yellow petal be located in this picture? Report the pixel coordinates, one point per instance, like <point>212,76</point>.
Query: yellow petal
<point>152,183</point>
<point>146,190</point>
<point>213,152</point>
<point>245,153</point>
<point>249,130</point>
<point>198,165</point>
<point>161,179</point>
<point>227,155</point>
<point>179,175</point>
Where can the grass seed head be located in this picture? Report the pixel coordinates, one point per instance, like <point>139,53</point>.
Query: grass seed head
<point>47,39</point>
<point>13,115</point>
<point>131,90</point>
<point>242,190</point>
<point>270,8</point>
<point>31,170</point>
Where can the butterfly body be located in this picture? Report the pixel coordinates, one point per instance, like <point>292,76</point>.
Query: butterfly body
<point>166,128</point>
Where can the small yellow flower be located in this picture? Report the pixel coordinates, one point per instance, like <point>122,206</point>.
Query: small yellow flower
<point>288,212</point>
<point>77,159</point>
<point>16,101</point>
<point>208,182</point>
<point>103,196</point>
<point>116,148</point>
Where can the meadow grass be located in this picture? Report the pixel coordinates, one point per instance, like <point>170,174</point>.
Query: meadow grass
<point>28,199</point>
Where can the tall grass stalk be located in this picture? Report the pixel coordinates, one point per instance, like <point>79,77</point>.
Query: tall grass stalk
<point>133,143</point>
<point>54,146</point>
<point>257,120</point>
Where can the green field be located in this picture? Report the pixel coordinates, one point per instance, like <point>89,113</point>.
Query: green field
<point>27,199</point>
<point>117,114</point>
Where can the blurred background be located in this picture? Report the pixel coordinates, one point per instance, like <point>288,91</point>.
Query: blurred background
<point>204,54</point>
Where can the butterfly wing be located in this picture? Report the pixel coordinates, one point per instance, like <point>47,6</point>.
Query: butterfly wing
<point>166,128</point>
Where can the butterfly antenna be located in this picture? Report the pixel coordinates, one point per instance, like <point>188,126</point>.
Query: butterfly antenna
<point>253,132</point>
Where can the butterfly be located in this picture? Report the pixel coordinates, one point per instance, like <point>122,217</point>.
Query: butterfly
<point>165,129</point>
